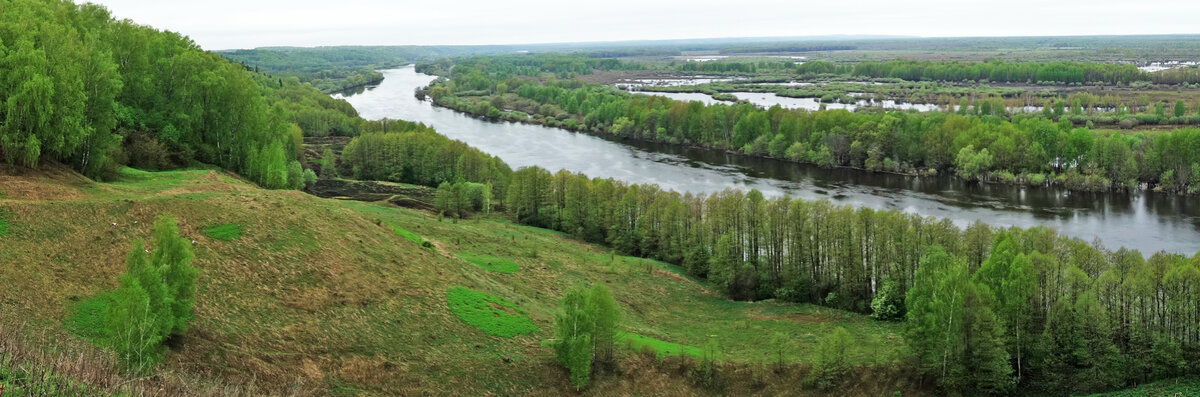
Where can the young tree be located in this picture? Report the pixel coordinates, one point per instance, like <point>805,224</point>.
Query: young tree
<point>173,254</point>
<point>573,339</point>
<point>328,164</point>
<point>133,321</point>
<point>606,314</point>
<point>831,361</point>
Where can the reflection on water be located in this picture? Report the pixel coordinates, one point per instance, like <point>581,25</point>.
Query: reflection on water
<point>768,99</point>
<point>1148,222</point>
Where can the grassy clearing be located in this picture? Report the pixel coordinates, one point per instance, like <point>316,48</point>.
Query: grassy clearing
<point>489,263</point>
<point>660,348</point>
<point>3,225</point>
<point>1185,386</point>
<point>489,314</point>
<point>224,232</point>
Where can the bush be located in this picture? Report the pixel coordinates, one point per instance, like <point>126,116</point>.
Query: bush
<point>145,152</point>
<point>154,300</point>
<point>888,303</point>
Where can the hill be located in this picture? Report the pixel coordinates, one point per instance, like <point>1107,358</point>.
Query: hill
<point>311,296</point>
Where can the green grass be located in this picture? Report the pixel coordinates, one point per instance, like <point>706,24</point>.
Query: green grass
<point>224,232</point>
<point>3,226</point>
<point>489,314</point>
<point>87,317</point>
<point>1184,386</point>
<point>489,263</point>
<point>410,236</point>
<point>660,348</point>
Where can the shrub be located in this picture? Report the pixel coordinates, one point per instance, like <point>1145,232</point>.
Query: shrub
<point>492,315</point>
<point>888,303</point>
<point>153,302</point>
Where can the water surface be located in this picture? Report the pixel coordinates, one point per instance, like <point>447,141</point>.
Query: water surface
<point>1145,221</point>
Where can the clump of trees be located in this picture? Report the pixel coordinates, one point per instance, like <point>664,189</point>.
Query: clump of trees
<point>419,155</point>
<point>586,332</point>
<point>155,298</point>
<point>462,198</point>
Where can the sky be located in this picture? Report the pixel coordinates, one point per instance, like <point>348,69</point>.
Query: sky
<point>230,24</point>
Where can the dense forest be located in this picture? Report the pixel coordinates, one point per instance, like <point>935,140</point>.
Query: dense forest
<point>977,141</point>
<point>96,93</point>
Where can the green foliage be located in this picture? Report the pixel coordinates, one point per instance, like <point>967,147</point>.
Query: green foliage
<point>137,319</point>
<point>888,303</point>
<point>295,175</point>
<point>328,164</point>
<point>831,365</point>
<point>492,315</point>
<point>1185,386</point>
<point>489,263</point>
<point>606,315</point>
<point>4,229</point>
<point>971,164</point>
<point>585,331</point>
<point>91,91</point>
<point>173,254</point>
<point>154,301</point>
<point>224,231</point>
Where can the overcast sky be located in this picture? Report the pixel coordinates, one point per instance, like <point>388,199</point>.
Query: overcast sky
<point>227,24</point>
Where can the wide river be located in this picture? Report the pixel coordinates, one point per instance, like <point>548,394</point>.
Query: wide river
<point>1149,222</point>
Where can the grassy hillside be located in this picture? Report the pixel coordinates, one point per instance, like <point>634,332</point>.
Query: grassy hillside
<point>302,295</point>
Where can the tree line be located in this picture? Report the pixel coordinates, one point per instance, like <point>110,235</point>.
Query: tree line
<point>1021,148</point>
<point>987,310</point>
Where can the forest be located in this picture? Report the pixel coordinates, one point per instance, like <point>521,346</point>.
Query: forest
<point>977,141</point>
<point>84,89</point>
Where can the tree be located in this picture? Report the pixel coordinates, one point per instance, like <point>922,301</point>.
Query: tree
<point>970,165</point>
<point>173,254</point>
<point>134,321</point>
<point>831,362</point>
<point>606,314</point>
<point>1180,110</point>
<point>934,325</point>
<point>295,175</point>
<point>573,337</point>
<point>328,164</point>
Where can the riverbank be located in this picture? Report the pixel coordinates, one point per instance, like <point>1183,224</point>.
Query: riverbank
<point>1070,180</point>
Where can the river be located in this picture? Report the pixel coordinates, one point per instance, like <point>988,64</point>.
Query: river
<point>1145,221</point>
